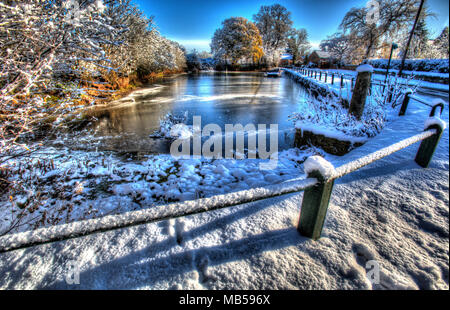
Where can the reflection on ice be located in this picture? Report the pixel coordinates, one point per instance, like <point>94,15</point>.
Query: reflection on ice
<point>226,97</point>
<point>244,98</point>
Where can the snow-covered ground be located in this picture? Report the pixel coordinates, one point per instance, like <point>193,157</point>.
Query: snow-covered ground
<point>326,115</point>
<point>62,185</point>
<point>392,211</point>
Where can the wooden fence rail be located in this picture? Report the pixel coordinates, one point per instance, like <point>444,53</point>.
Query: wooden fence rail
<point>343,76</point>
<point>408,95</point>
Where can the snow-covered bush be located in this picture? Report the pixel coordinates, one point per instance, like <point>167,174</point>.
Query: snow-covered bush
<point>423,65</point>
<point>324,113</point>
<point>142,47</point>
<point>172,127</point>
<point>328,112</point>
<point>157,54</point>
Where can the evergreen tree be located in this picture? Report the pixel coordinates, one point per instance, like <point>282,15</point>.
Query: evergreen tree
<point>419,47</point>
<point>441,44</point>
<point>298,44</point>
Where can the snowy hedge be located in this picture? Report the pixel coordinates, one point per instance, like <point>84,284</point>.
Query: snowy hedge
<point>424,65</point>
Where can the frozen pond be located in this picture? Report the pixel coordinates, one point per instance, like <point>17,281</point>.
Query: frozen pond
<point>219,98</point>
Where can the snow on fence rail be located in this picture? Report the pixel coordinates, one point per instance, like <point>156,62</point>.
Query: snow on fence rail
<point>153,214</point>
<point>368,159</point>
<point>317,185</point>
<point>344,79</point>
<point>317,87</point>
<point>328,76</point>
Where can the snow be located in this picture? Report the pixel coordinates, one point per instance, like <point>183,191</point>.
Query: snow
<point>335,89</point>
<point>364,68</point>
<point>392,212</point>
<point>436,101</point>
<point>326,114</point>
<point>386,151</point>
<point>417,65</point>
<point>111,185</point>
<point>321,130</point>
<point>434,120</point>
<point>181,131</point>
<point>173,127</point>
<point>318,163</point>
<point>80,228</point>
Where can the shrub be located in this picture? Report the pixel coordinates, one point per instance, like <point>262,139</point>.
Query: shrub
<point>423,65</point>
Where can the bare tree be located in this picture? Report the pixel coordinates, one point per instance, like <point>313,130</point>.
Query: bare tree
<point>339,46</point>
<point>274,23</point>
<point>298,44</point>
<point>393,16</point>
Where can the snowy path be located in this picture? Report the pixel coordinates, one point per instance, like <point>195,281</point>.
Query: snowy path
<point>392,211</point>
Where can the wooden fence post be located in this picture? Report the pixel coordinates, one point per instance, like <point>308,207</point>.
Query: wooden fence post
<point>361,90</point>
<point>326,77</point>
<point>320,75</point>
<point>405,102</point>
<point>314,206</point>
<point>332,78</point>
<point>428,147</point>
<point>342,81</point>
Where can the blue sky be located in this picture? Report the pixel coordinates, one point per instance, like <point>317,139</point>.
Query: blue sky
<point>192,23</point>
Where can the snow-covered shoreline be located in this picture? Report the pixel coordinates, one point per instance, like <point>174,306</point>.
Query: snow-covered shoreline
<point>60,185</point>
